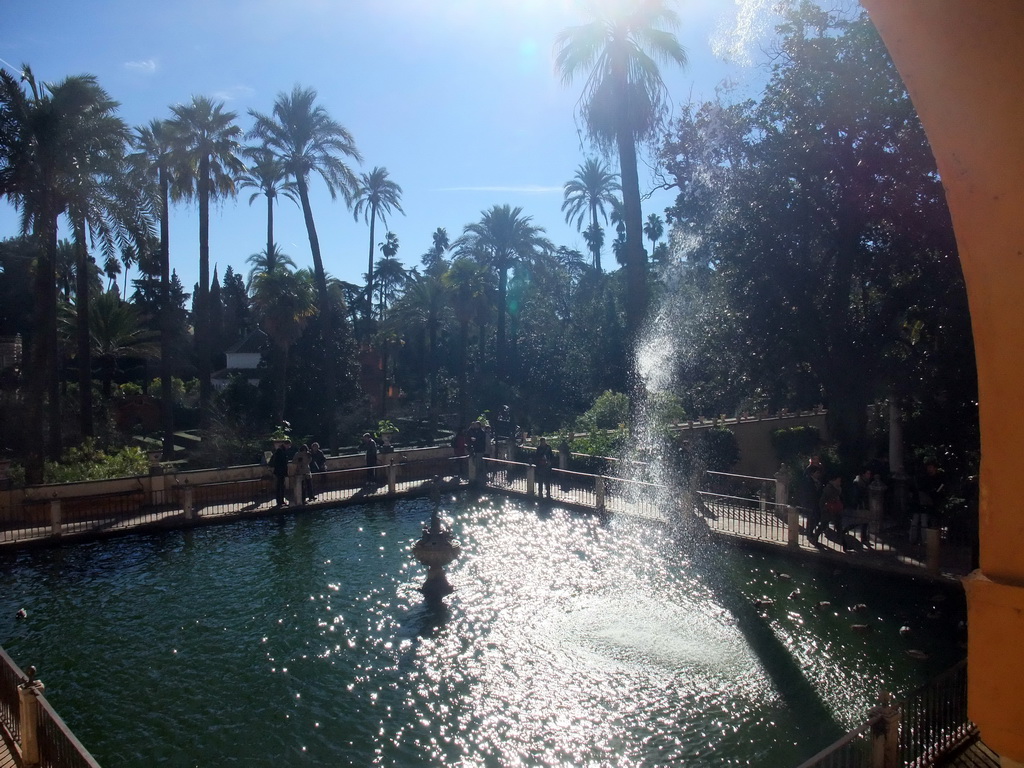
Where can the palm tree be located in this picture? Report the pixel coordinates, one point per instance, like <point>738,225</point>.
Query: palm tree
<point>302,135</point>
<point>375,197</point>
<point>503,237</point>
<point>268,261</point>
<point>390,275</point>
<point>151,162</point>
<point>654,228</point>
<point>586,194</point>
<point>433,260</point>
<point>623,102</point>
<point>266,176</point>
<point>62,146</point>
<point>206,161</point>
<point>117,333</point>
<point>284,302</point>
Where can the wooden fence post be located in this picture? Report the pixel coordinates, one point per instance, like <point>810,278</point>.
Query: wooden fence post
<point>28,700</point>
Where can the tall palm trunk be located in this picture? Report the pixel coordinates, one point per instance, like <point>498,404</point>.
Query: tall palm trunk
<point>326,314</point>
<point>369,269</point>
<point>597,245</point>
<point>82,317</point>
<point>502,306</point>
<point>636,261</point>
<point>270,225</point>
<point>203,292</point>
<point>44,394</point>
<point>166,317</point>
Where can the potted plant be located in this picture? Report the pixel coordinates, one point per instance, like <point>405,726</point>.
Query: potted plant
<point>385,430</point>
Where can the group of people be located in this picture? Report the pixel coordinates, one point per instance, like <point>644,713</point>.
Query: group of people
<point>822,499</point>
<point>820,496</point>
<point>300,464</point>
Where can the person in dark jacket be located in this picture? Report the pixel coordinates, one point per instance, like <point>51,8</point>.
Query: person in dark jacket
<point>279,464</point>
<point>544,458</point>
<point>370,446</point>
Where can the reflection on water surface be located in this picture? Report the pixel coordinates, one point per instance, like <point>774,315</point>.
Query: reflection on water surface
<point>570,641</point>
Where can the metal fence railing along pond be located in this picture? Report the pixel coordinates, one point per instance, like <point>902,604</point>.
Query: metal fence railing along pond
<point>48,743</point>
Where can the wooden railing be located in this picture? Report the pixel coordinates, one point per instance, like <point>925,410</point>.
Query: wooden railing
<point>40,738</point>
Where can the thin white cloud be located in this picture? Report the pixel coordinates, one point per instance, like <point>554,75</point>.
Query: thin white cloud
<point>234,93</point>
<point>528,189</point>
<point>146,67</point>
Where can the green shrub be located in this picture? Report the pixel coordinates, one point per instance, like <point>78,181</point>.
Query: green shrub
<point>609,411</point>
<point>89,462</point>
<point>794,444</point>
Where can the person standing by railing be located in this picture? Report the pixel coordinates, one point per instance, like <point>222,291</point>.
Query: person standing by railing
<point>543,459</point>
<point>317,464</point>
<point>279,464</point>
<point>303,473</point>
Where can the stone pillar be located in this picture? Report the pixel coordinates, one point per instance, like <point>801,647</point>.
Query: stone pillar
<point>474,468</point>
<point>55,518</point>
<point>531,476</point>
<point>564,456</point>
<point>793,526</point>
<point>296,490</point>
<point>28,704</point>
<point>963,65</point>
<point>876,505</point>
<point>885,734</point>
<point>782,479</point>
<point>933,548</point>
<point>392,478</point>
<point>186,502</point>
<point>599,493</point>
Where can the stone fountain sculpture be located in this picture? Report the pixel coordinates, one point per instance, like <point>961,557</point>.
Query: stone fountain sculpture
<point>436,548</point>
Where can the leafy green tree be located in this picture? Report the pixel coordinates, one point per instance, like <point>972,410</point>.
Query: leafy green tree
<point>467,284</point>
<point>206,158</point>
<point>302,135</point>
<point>821,215</point>
<point>586,195</point>
<point>284,302</point>
<point>623,102</point>
<point>60,146</point>
<point>375,197</point>
<point>501,239</point>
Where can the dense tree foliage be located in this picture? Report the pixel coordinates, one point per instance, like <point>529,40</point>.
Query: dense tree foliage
<point>808,259</point>
<point>818,217</point>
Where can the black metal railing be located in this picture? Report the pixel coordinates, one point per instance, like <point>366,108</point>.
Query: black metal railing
<point>934,718</point>
<point>52,740</point>
<point>10,677</point>
<point>58,747</point>
<point>851,751</point>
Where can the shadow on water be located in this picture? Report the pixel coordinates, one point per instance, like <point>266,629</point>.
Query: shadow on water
<point>782,669</point>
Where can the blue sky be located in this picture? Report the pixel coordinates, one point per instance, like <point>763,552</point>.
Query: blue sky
<point>458,99</point>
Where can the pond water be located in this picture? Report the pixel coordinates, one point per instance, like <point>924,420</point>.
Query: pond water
<point>570,640</point>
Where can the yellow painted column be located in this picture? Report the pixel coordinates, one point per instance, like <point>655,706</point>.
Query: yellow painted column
<point>963,64</point>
